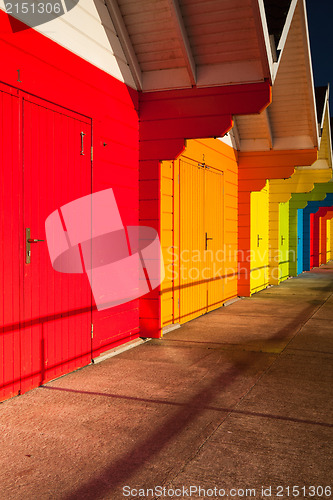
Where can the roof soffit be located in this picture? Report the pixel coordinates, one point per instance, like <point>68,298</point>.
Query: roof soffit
<point>180,43</point>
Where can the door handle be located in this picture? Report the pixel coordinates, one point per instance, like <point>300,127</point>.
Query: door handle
<point>28,242</point>
<point>282,239</point>
<point>82,143</point>
<point>206,240</point>
<point>258,240</point>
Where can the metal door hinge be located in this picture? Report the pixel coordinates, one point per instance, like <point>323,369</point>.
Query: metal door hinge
<point>91,153</point>
<point>92,331</point>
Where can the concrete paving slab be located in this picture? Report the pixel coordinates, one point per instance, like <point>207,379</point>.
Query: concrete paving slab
<point>317,336</point>
<point>268,306</point>
<point>251,452</point>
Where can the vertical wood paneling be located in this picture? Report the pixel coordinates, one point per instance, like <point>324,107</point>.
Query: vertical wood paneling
<point>193,288</point>
<point>167,242</point>
<point>204,200</point>
<point>326,236</point>
<point>328,240</point>
<point>323,214</point>
<point>58,75</point>
<point>10,243</point>
<point>254,169</point>
<point>259,257</point>
<point>300,240</point>
<point>215,227</point>
<point>284,250</point>
<point>292,240</point>
<point>308,225</point>
<point>55,338</point>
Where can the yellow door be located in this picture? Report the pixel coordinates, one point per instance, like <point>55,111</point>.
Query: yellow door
<point>283,241</point>
<point>192,238</point>
<point>201,284</point>
<point>329,241</point>
<point>259,240</point>
<point>214,237</point>
<point>192,285</point>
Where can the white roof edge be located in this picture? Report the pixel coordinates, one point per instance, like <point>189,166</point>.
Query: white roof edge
<point>284,35</point>
<point>329,122</point>
<point>265,34</point>
<point>287,24</point>
<point>310,74</point>
<point>125,41</point>
<point>326,106</point>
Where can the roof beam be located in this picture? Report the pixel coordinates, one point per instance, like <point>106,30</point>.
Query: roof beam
<point>235,134</point>
<point>268,128</point>
<point>125,41</point>
<point>183,39</point>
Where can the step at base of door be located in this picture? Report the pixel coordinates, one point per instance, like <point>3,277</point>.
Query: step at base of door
<point>231,301</point>
<point>118,350</point>
<point>170,328</point>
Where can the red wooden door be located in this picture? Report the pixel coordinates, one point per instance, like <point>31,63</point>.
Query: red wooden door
<point>45,316</point>
<point>55,332</point>
<point>10,241</point>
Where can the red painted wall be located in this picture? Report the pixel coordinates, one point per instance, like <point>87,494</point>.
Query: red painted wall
<point>319,245</point>
<point>51,72</point>
<point>323,236</point>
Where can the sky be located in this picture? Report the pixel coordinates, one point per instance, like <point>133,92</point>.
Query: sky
<point>320,20</point>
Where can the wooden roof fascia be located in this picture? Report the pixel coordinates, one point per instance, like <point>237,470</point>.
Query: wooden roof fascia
<point>125,41</point>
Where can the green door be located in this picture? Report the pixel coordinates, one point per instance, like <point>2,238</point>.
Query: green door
<point>283,241</point>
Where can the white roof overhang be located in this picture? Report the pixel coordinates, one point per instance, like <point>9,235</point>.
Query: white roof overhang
<point>290,122</point>
<point>173,44</point>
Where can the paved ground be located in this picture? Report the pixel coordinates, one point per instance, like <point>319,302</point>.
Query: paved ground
<point>238,400</point>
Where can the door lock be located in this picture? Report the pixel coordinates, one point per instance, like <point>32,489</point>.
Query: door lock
<point>206,240</point>
<point>28,242</point>
<point>258,240</point>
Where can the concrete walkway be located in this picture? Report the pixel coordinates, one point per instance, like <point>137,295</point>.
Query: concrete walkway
<point>236,400</point>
